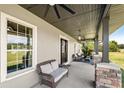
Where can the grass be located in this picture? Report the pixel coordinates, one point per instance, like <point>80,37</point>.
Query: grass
<point>122,78</point>
<point>118,58</point>
<point>12,58</point>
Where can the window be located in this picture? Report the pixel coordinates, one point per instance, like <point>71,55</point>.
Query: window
<point>18,47</point>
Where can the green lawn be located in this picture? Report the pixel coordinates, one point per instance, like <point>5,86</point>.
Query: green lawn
<point>123,78</point>
<point>12,57</point>
<point>118,58</point>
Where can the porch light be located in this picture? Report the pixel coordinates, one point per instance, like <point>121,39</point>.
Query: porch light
<point>79,37</point>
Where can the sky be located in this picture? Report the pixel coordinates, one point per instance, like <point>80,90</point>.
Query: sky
<point>13,39</point>
<point>118,35</point>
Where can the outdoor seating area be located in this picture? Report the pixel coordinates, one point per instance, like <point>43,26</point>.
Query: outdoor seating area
<point>81,75</point>
<point>104,75</point>
<point>78,57</point>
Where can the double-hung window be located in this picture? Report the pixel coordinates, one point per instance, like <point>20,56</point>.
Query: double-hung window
<point>18,47</point>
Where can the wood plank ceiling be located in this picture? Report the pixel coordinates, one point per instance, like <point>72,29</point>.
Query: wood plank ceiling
<point>85,19</point>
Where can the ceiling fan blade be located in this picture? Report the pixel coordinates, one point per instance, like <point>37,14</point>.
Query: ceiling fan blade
<point>31,6</point>
<point>46,11</point>
<point>56,10</point>
<point>67,8</point>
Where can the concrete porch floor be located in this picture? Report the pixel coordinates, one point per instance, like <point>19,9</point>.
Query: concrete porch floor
<point>81,75</point>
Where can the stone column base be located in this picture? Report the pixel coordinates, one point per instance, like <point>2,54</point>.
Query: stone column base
<point>108,75</point>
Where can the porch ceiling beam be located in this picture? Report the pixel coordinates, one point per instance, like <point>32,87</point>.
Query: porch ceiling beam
<point>104,12</point>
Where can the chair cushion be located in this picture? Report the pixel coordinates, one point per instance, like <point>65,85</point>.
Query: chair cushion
<point>54,65</point>
<point>59,73</point>
<point>46,68</point>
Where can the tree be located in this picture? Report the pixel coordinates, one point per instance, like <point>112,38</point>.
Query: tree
<point>90,45</point>
<point>86,51</point>
<point>113,46</point>
<point>121,46</point>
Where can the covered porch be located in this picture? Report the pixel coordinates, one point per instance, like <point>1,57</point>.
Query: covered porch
<point>81,75</point>
<point>72,24</point>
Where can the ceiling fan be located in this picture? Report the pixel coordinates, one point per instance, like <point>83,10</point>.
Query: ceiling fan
<point>80,37</point>
<point>56,9</point>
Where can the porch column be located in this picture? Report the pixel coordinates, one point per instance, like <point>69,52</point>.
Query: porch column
<point>96,45</point>
<point>105,38</point>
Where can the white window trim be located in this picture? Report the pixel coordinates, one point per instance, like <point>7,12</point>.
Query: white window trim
<point>63,37</point>
<point>3,47</point>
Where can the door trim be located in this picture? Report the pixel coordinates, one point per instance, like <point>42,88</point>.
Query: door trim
<point>63,37</point>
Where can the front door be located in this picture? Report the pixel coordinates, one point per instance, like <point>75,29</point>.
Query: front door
<point>64,51</point>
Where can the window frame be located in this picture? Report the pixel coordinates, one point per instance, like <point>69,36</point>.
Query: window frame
<point>3,47</point>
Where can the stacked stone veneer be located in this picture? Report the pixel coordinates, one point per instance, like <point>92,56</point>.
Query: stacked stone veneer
<point>96,59</point>
<point>108,75</point>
